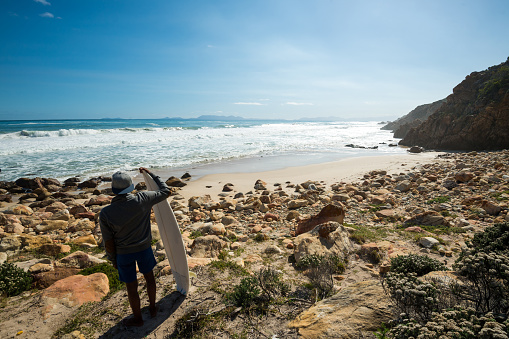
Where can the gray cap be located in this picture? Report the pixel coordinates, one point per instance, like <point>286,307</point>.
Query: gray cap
<point>121,183</point>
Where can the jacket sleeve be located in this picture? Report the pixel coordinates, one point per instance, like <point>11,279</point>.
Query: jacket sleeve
<point>163,193</point>
<point>108,239</point>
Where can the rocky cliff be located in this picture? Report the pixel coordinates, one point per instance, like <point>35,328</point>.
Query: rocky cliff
<point>417,116</point>
<point>474,117</point>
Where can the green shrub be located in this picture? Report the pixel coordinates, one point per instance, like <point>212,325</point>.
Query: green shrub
<point>244,294</point>
<point>493,239</point>
<point>334,263</point>
<point>110,271</point>
<point>320,271</point>
<point>487,281</point>
<point>13,280</point>
<point>415,263</point>
<point>412,296</point>
<point>453,323</point>
<point>271,284</point>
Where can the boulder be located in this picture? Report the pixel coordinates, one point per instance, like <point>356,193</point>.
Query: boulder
<point>175,182</point>
<point>214,229</point>
<point>50,225</point>
<point>198,202</point>
<point>356,311</point>
<point>25,265</point>
<point>61,215</point>
<point>430,218</point>
<point>208,246</point>
<point>48,278</point>
<point>21,210</point>
<point>229,220</point>
<point>294,204</point>
<point>335,243</point>
<point>428,242</point>
<point>82,225</point>
<point>463,176</point>
<point>10,244</point>
<point>91,183</point>
<point>80,260</point>
<point>491,208</point>
<point>99,200</point>
<point>54,249</point>
<point>404,186</point>
<point>56,207</point>
<point>330,212</point>
<point>85,239</point>
<point>76,290</point>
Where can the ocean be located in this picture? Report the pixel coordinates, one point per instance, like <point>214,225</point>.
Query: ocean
<point>65,148</point>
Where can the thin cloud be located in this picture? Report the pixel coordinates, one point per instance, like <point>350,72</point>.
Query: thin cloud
<point>47,15</point>
<point>13,14</point>
<point>43,2</point>
<point>299,103</point>
<point>249,103</point>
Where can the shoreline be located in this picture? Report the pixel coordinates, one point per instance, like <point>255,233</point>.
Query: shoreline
<point>343,170</point>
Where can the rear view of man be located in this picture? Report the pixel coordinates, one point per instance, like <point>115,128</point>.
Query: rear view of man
<point>125,227</point>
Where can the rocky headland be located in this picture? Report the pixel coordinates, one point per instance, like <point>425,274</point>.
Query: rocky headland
<point>50,230</point>
<point>417,116</point>
<point>474,117</point>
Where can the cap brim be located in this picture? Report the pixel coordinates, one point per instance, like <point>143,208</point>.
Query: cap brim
<point>124,191</point>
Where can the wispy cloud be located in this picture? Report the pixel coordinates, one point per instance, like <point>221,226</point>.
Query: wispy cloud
<point>43,2</point>
<point>299,103</point>
<point>13,14</point>
<point>249,103</point>
<point>47,15</point>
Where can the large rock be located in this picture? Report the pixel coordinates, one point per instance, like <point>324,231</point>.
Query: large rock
<point>48,278</point>
<point>475,116</point>
<point>335,243</point>
<point>76,290</point>
<point>50,225</point>
<point>10,244</point>
<point>328,213</point>
<point>81,259</point>
<point>356,311</point>
<point>208,246</point>
<point>430,218</point>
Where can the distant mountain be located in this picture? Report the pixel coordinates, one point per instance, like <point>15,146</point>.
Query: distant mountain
<point>417,116</point>
<point>219,117</point>
<point>474,117</point>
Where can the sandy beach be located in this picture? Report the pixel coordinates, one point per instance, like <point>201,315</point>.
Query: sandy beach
<point>344,170</point>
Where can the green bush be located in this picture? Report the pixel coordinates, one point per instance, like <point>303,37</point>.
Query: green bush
<point>453,323</point>
<point>334,263</point>
<point>13,280</point>
<point>244,294</point>
<point>110,271</point>
<point>412,296</point>
<point>487,281</point>
<point>493,239</point>
<point>438,200</point>
<point>415,263</point>
<point>271,284</point>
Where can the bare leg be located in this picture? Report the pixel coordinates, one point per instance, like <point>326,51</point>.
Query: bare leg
<point>151,291</point>
<point>134,301</point>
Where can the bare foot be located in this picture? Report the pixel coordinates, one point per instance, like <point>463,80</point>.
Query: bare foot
<point>153,311</point>
<point>130,322</point>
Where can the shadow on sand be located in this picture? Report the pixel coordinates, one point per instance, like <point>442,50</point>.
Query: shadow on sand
<point>167,306</point>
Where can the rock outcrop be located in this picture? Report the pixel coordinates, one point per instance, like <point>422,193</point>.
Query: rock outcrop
<point>474,117</point>
<point>417,116</point>
<point>354,311</point>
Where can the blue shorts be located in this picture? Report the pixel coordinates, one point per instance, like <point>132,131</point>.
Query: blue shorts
<point>126,264</point>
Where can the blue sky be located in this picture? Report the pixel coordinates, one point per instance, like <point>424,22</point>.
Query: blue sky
<point>261,59</point>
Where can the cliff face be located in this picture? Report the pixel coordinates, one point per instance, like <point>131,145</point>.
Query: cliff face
<point>401,126</point>
<point>474,117</point>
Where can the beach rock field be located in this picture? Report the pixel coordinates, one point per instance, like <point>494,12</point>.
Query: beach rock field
<point>282,260</point>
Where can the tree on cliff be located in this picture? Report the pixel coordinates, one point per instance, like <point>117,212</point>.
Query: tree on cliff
<point>474,117</point>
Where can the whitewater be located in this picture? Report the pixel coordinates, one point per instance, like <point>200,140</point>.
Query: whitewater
<point>87,148</point>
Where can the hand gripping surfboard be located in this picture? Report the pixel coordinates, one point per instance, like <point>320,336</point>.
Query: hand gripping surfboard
<point>172,239</point>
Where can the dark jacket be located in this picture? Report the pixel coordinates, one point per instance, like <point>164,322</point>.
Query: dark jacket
<point>127,220</point>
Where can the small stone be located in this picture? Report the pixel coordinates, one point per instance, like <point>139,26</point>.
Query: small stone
<point>428,242</point>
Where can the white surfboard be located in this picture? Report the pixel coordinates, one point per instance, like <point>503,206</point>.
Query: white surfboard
<point>172,239</point>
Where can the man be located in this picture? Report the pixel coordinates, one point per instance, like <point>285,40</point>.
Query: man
<point>125,227</point>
